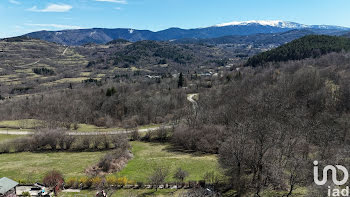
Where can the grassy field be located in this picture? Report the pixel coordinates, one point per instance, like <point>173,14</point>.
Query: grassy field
<point>33,166</point>
<point>30,124</point>
<point>19,124</point>
<point>7,137</point>
<point>149,155</point>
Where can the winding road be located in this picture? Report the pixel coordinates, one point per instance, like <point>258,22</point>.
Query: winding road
<point>190,98</point>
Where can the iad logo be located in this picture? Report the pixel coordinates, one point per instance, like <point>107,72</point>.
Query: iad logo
<point>333,170</point>
<point>334,174</point>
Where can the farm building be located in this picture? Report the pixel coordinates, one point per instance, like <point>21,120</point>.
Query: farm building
<point>7,187</point>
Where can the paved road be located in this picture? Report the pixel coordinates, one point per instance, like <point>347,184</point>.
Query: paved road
<point>18,132</point>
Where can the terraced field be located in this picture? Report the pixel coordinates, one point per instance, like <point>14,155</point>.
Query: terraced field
<point>18,59</point>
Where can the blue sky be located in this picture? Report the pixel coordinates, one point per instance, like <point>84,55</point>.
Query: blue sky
<point>23,16</point>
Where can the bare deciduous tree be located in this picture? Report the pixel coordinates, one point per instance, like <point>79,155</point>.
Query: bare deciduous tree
<point>158,176</point>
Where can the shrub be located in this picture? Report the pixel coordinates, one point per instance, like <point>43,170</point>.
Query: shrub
<point>192,184</point>
<point>204,139</point>
<point>158,176</point>
<point>180,174</point>
<point>148,136</point>
<point>162,134</point>
<point>122,181</point>
<point>135,135</point>
<point>100,122</point>
<point>26,194</point>
<point>96,182</point>
<point>106,162</point>
<point>140,184</point>
<point>68,141</point>
<point>71,183</point>
<point>53,179</point>
<point>43,71</point>
<point>120,141</point>
<point>85,182</point>
<point>21,145</point>
<point>4,148</point>
<point>201,183</point>
<point>211,178</point>
<point>112,181</point>
<point>111,91</point>
<point>90,80</point>
<point>82,143</point>
<point>21,90</point>
<point>75,126</point>
<point>21,181</point>
<point>46,138</point>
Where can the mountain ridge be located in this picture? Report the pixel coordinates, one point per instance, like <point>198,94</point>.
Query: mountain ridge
<point>255,39</point>
<point>281,24</point>
<point>104,35</point>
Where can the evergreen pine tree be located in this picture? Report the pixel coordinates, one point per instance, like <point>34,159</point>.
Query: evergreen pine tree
<point>180,82</point>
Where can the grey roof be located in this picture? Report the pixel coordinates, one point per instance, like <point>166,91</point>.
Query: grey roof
<point>6,185</point>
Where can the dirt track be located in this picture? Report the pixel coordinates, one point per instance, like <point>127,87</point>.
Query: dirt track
<point>19,132</point>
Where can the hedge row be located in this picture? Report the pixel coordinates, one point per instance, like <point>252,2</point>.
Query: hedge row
<point>59,140</point>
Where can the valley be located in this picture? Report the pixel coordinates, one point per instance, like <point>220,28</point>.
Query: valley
<point>237,109</point>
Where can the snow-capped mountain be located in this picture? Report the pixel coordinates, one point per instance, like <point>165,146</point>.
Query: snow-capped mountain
<point>272,23</point>
<point>245,28</point>
<point>279,24</point>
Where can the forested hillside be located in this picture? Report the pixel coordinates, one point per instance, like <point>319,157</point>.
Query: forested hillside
<point>311,46</point>
<point>268,125</point>
<point>261,40</point>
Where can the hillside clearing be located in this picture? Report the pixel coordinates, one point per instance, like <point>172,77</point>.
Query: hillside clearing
<point>149,155</point>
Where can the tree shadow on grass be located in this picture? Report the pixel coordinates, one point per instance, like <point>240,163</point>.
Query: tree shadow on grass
<point>171,148</point>
<point>148,193</point>
<point>153,192</point>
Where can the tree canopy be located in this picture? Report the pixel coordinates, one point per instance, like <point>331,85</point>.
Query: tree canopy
<point>305,47</point>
